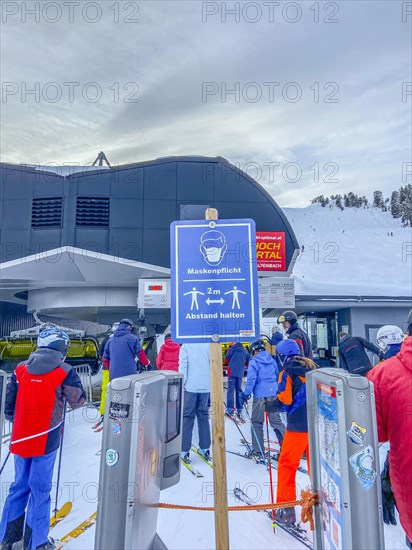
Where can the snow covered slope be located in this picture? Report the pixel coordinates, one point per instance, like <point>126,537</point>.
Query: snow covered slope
<point>180,530</point>
<point>351,252</point>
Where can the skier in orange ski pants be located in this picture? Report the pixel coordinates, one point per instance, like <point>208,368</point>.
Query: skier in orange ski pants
<point>291,397</point>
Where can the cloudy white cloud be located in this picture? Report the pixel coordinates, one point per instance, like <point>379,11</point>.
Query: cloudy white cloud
<point>350,130</point>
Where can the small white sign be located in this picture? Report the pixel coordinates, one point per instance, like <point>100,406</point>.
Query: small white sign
<point>154,294</point>
<point>276,292</point>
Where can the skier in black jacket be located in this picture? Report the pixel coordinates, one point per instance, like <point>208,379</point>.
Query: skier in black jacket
<point>352,353</point>
<point>289,321</point>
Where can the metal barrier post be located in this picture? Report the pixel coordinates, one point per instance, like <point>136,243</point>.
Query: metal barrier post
<point>344,460</point>
<point>85,374</point>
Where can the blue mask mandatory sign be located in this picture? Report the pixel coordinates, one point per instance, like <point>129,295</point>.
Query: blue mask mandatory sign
<point>214,281</point>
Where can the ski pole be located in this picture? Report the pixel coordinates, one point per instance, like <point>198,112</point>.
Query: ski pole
<point>60,461</point>
<point>272,498</point>
<point>4,463</point>
<point>241,433</point>
<point>256,437</point>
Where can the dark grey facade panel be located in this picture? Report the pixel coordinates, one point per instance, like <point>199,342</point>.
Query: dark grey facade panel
<point>126,213</point>
<point>15,243</point>
<point>156,246</point>
<point>142,199</point>
<point>17,213</point>
<point>94,239</point>
<point>48,186</point>
<point>125,183</point>
<point>190,211</point>
<point>160,182</point>
<point>159,214</point>
<point>42,240</point>
<point>94,185</point>
<point>126,244</point>
<point>195,181</point>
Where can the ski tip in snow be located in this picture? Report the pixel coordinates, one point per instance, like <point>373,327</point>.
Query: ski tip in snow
<point>60,514</point>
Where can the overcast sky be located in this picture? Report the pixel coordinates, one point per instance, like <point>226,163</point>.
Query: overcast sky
<point>317,103</point>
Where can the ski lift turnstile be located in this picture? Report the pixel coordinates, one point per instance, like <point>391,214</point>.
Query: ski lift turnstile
<point>344,456</point>
<point>140,456</point>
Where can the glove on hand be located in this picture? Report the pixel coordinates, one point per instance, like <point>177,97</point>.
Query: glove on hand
<point>388,498</point>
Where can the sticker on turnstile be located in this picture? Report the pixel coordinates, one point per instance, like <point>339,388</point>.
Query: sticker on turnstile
<point>119,411</point>
<point>116,428</point>
<point>112,457</point>
<point>362,465</point>
<point>356,433</point>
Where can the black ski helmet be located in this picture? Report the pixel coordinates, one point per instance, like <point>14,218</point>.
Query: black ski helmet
<point>289,316</point>
<point>128,322</point>
<point>257,346</point>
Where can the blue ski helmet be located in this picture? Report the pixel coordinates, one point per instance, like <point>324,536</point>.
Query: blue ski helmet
<point>54,338</point>
<point>287,348</point>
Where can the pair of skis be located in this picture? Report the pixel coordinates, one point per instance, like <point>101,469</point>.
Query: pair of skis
<point>236,419</point>
<point>98,427</point>
<point>274,458</point>
<point>77,531</point>
<point>292,529</point>
<point>191,468</point>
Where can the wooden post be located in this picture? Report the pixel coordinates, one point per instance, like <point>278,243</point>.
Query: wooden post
<point>218,437</point>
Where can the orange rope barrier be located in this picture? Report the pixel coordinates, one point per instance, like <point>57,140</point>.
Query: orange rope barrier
<point>308,500</point>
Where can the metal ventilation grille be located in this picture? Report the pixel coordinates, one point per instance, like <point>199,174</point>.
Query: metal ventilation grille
<point>47,212</point>
<point>93,212</point>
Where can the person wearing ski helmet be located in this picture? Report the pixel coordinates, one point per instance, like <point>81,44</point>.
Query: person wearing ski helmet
<point>261,381</point>
<point>289,320</point>
<point>35,400</point>
<point>291,397</point>
<point>389,339</point>
<point>392,381</point>
<point>123,350</point>
<point>276,336</point>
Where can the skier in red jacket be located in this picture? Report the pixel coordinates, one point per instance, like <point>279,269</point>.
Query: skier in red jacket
<point>392,380</point>
<point>168,356</point>
<point>35,402</point>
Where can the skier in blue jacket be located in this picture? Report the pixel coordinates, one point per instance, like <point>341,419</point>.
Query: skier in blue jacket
<point>123,350</point>
<point>237,357</point>
<point>262,381</point>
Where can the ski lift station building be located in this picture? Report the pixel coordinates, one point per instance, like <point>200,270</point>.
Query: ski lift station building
<point>75,241</point>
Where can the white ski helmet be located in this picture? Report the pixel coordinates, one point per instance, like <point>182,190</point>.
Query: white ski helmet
<point>389,334</point>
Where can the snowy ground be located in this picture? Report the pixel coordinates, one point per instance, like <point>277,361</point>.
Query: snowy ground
<point>178,529</point>
<point>350,252</point>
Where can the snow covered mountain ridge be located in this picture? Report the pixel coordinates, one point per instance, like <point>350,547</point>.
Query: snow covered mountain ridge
<point>355,251</point>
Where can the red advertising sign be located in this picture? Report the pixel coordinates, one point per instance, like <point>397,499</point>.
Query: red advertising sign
<point>324,388</point>
<point>270,251</point>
